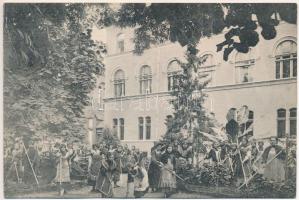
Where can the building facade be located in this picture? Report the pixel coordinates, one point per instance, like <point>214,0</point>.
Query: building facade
<point>137,86</point>
<point>94,112</point>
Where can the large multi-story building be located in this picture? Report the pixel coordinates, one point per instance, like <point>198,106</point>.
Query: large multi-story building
<point>137,86</point>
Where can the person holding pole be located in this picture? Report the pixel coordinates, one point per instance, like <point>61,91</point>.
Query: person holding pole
<point>274,171</point>
<point>168,177</point>
<point>63,170</point>
<point>104,181</point>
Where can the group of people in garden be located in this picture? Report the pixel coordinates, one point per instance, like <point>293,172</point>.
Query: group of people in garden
<point>160,171</point>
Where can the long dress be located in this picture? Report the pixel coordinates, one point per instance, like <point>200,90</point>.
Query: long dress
<point>94,168</point>
<point>63,169</point>
<point>119,165</point>
<point>104,182</point>
<point>154,170</point>
<point>275,170</point>
<point>167,178</point>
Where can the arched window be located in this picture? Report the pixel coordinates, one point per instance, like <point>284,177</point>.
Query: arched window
<point>281,122</point>
<point>286,59</point>
<point>145,80</point>
<point>173,71</point>
<point>207,69</point>
<point>119,83</point>
<point>244,63</point>
<point>120,43</point>
<point>293,122</point>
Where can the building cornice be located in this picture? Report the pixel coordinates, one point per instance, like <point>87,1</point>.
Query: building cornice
<point>211,89</point>
<point>252,84</point>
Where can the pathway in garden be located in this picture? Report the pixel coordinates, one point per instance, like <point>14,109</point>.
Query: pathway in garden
<point>119,193</point>
<point>80,190</point>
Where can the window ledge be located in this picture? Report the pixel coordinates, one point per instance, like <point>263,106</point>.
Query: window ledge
<point>211,88</point>
<point>252,84</point>
<point>138,140</point>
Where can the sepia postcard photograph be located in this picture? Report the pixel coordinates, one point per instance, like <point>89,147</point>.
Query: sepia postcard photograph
<point>189,100</point>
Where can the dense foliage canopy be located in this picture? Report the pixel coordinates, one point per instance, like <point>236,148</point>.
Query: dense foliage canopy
<point>187,23</point>
<point>50,66</point>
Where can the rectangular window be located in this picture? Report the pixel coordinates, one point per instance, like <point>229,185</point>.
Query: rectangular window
<point>115,126</point>
<point>170,83</point>
<point>148,128</point>
<point>293,129</point>
<point>121,46</point>
<point>140,126</point>
<point>99,131</point>
<point>122,128</point>
<point>146,86</point>
<point>295,68</point>
<point>119,89</point>
<point>173,80</point>
<point>281,127</point>
<point>281,123</point>
<point>293,122</point>
<point>123,89</point>
<point>277,70</point>
<point>286,69</point>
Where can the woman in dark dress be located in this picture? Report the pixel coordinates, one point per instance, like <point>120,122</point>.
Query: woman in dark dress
<point>167,177</point>
<point>154,169</point>
<point>104,182</point>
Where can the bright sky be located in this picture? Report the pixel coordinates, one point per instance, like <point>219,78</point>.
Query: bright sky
<point>99,34</point>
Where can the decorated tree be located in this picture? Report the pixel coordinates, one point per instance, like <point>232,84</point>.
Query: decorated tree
<point>187,98</point>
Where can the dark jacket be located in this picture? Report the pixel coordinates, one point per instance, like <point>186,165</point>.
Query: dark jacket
<point>277,148</point>
<point>212,154</point>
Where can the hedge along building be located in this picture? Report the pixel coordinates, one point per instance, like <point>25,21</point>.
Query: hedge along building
<point>137,86</point>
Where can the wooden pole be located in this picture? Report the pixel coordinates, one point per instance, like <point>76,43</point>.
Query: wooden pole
<point>17,172</point>
<point>239,152</point>
<point>30,164</point>
<point>257,173</point>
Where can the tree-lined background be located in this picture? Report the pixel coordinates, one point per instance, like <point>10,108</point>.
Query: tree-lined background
<point>51,63</point>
